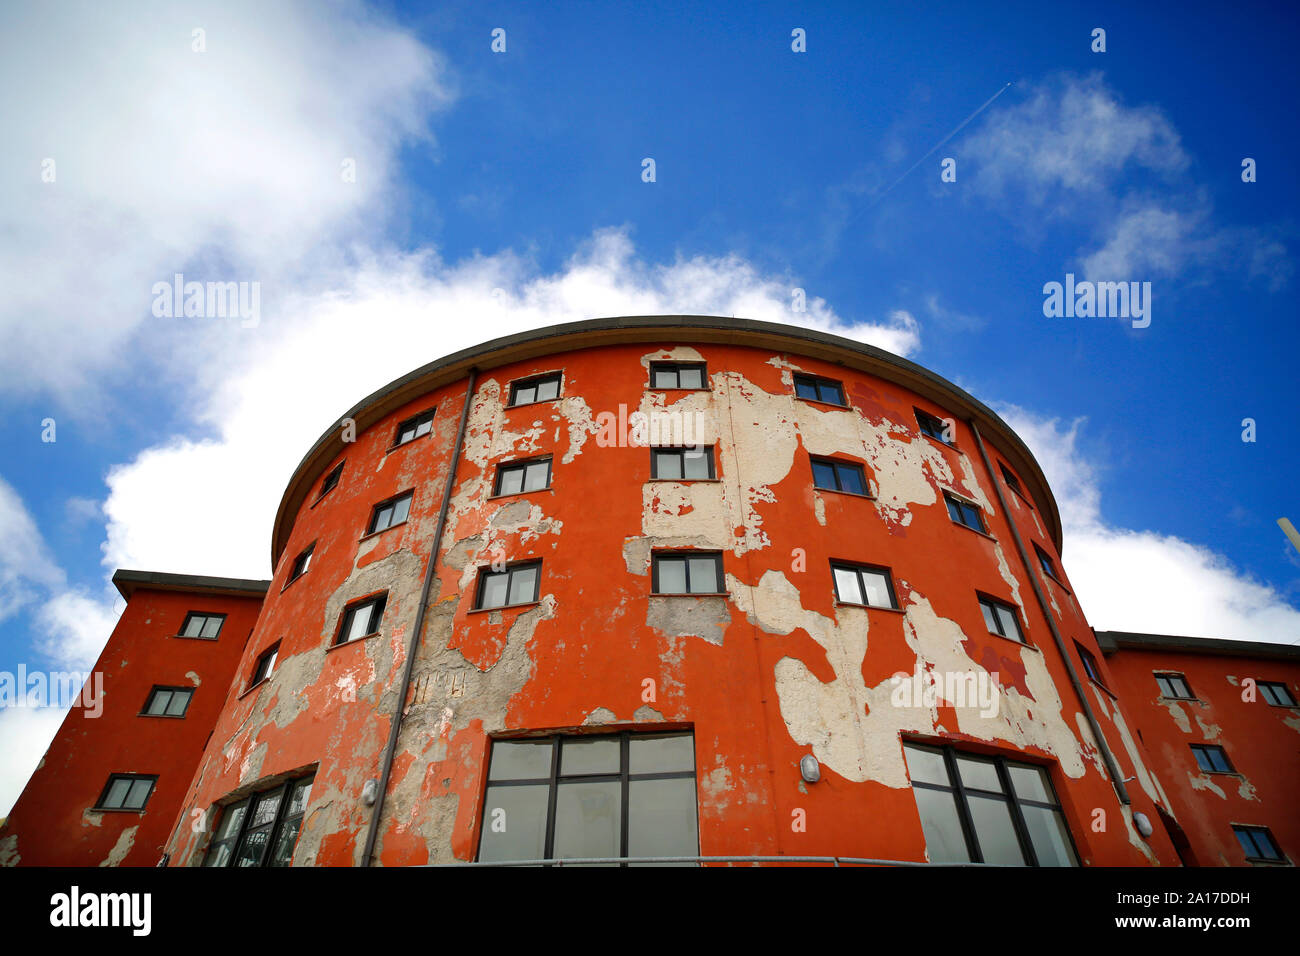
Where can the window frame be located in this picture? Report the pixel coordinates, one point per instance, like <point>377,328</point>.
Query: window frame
<point>189,615</point>
<point>386,503</point>
<point>486,572</point>
<point>534,381</point>
<point>1046,564</point>
<point>816,382</point>
<point>99,806</point>
<point>1010,798</point>
<point>677,367</point>
<point>963,505</point>
<point>1251,830</point>
<point>269,657</point>
<point>372,601</point>
<point>857,568</point>
<point>933,427</point>
<point>522,464</point>
<point>171,690</point>
<point>1091,666</point>
<point>835,465</point>
<point>1273,686</point>
<point>623,775</point>
<point>294,573</point>
<point>677,554</point>
<point>274,830</point>
<point>326,485</point>
<point>425,417</point>
<point>680,452</point>
<point>993,604</point>
<point>1169,676</point>
<point>1210,751</point>
<point>1011,481</point>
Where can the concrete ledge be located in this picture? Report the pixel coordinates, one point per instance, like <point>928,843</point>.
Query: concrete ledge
<point>128,582</point>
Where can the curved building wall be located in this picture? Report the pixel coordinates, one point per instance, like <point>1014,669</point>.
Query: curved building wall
<point>774,668</point>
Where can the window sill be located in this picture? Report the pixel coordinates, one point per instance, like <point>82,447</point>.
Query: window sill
<point>252,687</point>
<point>375,534</point>
<point>117,810</point>
<point>1283,706</point>
<point>870,607</point>
<point>355,640</point>
<point>685,481</point>
<point>679,388</point>
<point>1219,773</point>
<point>164,716</point>
<point>410,441</point>
<point>1021,495</point>
<point>690,594</point>
<point>1096,683</point>
<point>291,581</point>
<point>188,637</point>
<point>319,498</point>
<point>543,401</point>
<point>850,494</point>
<point>818,401</point>
<point>1056,581</point>
<point>518,494</point>
<point>940,442</point>
<point>502,607</point>
<point>982,534</point>
<point>1181,700</point>
<point>1018,643</point>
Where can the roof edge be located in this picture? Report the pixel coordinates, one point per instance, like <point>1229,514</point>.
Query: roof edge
<point>128,582</point>
<point>1112,641</point>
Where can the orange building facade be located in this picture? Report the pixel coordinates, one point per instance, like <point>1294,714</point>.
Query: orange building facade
<point>674,587</point>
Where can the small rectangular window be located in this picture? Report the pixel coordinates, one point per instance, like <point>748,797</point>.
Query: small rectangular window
<point>1276,693</point>
<point>1090,665</point>
<point>361,619</point>
<point>202,625</point>
<point>168,702</point>
<point>863,584</point>
<point>687,572</point>
<point>1047,564</point>
<point>1211,758</point>
<point>1174,686</point>
<point>832,475</point>
<point>414,427</point>
<point>1259,844</point>
<point>936,428</point>
<point>1012,482</point>
<point>331,481</point>
<point>682,464</point>
<point>265,664</point>
<point>517,584</point>
<point>300,564</point>
<point>518,477</point>
<point>818,389</point>
<point>389,513</point>
<point>126,791</point>
<point>963,512</point>
<point>1001,619</point>
<point>678,375</point>
<point>542,388</point>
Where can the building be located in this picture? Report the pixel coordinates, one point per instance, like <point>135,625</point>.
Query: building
<point>667,586</point>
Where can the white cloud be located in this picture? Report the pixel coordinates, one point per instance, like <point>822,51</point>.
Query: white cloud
<point>224,164</point>
<point>330,349</point>
<point>26,732</point>
<point>1143,581</point>
<point>26,566</point>
<point>75,627</point>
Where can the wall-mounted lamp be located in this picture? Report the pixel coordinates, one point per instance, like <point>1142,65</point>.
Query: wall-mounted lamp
<point>369,792</point>
<point>809,768</point>
<point>1143,823</point>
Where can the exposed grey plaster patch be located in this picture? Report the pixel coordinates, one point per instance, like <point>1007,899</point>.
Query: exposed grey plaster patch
<point>645,714</point>
<point>1150,782</point>
<point>125,840</point>
<point>193,678</point>
<point>9,855</point>
<point>819,509</point>
<point>1177,713</point>
<point>636,551</point>
<point>92,818</point>
<point>1200,781</point>
<point>1210,731</point>
<point>1246,790</point>
<point>601,715</point>
<point>704,617</point>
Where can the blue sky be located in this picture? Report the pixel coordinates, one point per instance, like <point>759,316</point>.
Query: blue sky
<point>500,191</point>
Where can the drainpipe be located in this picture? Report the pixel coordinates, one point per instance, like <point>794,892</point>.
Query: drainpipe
<point>1120,790</point>
<point>390,749</point>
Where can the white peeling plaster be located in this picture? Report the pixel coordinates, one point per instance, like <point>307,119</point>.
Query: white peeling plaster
<point>1200,781</point>
<point>1177,713</point>
<point>121,848</point>
<point>1211,731</point>
<point>1149,782</point>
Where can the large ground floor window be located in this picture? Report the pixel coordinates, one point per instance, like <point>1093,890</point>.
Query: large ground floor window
<point>262,828</point>
<point>593,795</point>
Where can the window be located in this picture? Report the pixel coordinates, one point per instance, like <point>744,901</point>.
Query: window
<point>936,428</point>
<point>331,481</point>
<point>596,795</point>
<point>687,572</point>
<point>1012,482</point>
<point>126,791</point>
<point>167,702</point>
<point>831,475</point>
<point>414,427</point>
<point>963,512</point>
<point>863,584</point>
<point>270,819</point>
<point>203,626</point>
<point>682,464</point>
<point>1259,844</point>
<point>523,476</point>
<point>518,584</point>
<point>678,375</point>
<point>389,513</point>
<point>1047,564</point>
<point>1090,665</point>
<point>1174,686</point>
<point>1002,619</point>
<point>300,565</point>
<point>265,664</point>
<point>1212,759</point>
<point>819,389</point>
<point>1275,693</point>
<point>543,388</point>
<point>361,619</point>
<point>987,809</point>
